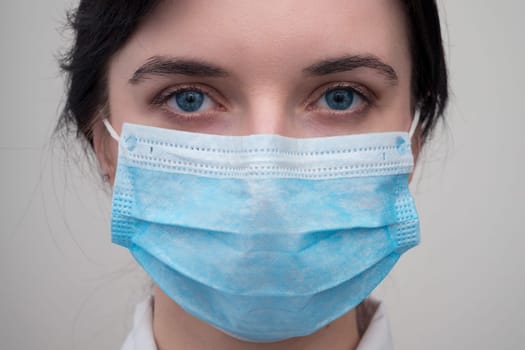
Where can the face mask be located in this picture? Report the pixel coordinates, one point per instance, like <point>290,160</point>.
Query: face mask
<point>264,237</point>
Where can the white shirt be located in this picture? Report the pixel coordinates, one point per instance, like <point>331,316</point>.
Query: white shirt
<point>376,337</point>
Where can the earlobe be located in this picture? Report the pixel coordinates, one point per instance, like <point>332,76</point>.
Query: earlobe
<point>416,149</point>
<point>105,151</point>
<point>416,144</point>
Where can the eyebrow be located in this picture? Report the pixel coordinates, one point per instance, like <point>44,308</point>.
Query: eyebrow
<point>349,63</point>
<point>161,66</point>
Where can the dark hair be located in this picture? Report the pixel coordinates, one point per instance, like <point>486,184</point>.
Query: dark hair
<point>102,27</point>
<point>429,68</point>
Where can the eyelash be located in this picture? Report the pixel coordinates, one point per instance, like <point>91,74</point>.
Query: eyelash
<point>161,100</point>
<point>365,94</point>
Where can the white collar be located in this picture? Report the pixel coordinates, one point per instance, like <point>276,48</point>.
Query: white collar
<point>376,337</point>
<point>141,335</point>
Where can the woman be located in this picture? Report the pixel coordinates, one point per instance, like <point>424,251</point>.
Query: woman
<point>263,153</point>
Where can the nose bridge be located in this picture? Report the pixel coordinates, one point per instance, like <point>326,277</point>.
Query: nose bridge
<point>268,113</point>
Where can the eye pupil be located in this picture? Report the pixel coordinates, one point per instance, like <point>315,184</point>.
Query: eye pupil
<point>339,99</point>
<point>189,101</point>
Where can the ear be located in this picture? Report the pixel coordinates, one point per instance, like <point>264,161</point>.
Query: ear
<point>105,150</point>
<point>416,143</point>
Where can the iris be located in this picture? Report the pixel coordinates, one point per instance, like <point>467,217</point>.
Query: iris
<point>189,101</point>
<point>339,99</point>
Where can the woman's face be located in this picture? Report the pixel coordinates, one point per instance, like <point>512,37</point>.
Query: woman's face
<point>298,68</point>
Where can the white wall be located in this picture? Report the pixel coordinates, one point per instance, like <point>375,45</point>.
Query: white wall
<point>463,288</point>
<point>65,286</point>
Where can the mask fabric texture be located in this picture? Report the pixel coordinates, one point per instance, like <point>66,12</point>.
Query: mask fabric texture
<point>264,237</point>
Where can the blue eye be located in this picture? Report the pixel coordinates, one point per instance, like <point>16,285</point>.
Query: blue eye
<point>188,101</point>
<point>340,99</point>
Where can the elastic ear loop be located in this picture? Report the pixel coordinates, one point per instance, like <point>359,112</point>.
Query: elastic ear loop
<point>110,129</point>
<point>414,124</point>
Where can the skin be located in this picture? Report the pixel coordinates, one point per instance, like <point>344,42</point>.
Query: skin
<point>264,47</point>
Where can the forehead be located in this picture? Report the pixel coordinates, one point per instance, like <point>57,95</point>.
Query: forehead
<point>285,33</point>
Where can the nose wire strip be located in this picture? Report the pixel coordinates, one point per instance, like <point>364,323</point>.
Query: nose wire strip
<point>116,136</point>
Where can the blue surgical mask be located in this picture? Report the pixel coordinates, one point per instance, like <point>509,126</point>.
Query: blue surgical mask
<point>264,237</point>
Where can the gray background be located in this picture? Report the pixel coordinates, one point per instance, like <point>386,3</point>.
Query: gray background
<point>65,286</point>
